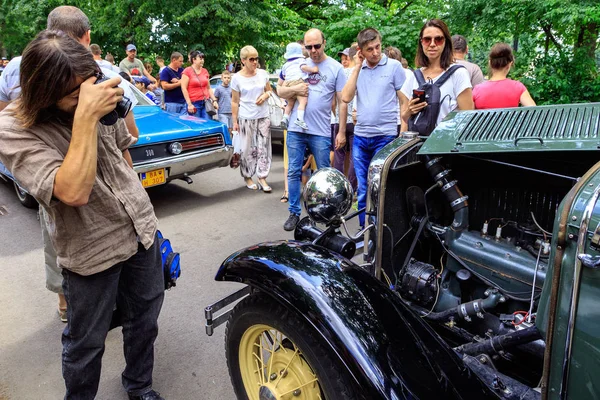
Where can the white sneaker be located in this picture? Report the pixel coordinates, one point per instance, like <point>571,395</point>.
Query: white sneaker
<point>301,124</point>
<point>285,121</point>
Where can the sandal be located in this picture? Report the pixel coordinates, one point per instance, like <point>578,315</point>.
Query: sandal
<point>284,198</point>
<point>265,188</point>
<point>250,184</point>
<point>62,314</point>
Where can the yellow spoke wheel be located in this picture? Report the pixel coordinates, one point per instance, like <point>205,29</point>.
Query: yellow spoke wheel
<point>273,367</point>
<point>274,354</point>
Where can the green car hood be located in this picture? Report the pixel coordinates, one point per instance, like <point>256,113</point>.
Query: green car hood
<point>564,127</point>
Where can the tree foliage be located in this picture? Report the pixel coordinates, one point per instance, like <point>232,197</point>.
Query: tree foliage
<point>555,41</point>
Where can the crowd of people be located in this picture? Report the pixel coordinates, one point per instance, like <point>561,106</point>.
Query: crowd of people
<point>338,113</point>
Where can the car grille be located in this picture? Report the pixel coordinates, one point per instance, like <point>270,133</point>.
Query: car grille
<point>160,151</point>
<point>579,121</point>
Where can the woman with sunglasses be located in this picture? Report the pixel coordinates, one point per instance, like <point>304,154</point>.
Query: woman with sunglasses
<point>195,86</point>
<point>250,112</point>
<point>499,91</point>
<point>434,57</point>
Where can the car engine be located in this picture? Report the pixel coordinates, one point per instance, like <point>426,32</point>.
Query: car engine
<point>473,263</point>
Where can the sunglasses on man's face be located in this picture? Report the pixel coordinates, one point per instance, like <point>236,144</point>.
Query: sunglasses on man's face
<point>316,46</point>
<point>438,40</point>
<point>252,59</point>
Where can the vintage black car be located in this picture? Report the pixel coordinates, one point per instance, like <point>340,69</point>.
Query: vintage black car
<point>479,274</point>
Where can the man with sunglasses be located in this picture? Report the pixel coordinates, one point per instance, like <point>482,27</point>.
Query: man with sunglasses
<point>376,82</point>
<point>321,87</point>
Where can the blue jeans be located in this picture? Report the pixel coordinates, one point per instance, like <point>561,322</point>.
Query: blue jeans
<point>200,110</point>
<point>227,119</point>
<point>363,151</point>
<point>176,108</point>
<point>136,286</point>
<point>296,146</point>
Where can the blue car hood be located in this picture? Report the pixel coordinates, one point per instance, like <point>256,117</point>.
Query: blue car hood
<point>156,125</point>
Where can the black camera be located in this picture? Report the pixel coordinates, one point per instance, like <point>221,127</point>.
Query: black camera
<point>120,111</point>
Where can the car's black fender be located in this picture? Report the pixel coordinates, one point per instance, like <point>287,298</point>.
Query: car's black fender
<point>388,350</point>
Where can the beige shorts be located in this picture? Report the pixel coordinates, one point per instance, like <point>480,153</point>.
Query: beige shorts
<point>293,83</point>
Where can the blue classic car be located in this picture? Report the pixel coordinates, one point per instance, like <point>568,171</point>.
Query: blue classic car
<point>169,147</point>
<point>175,147</point>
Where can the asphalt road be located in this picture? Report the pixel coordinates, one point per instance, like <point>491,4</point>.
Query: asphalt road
<point>206,221</point>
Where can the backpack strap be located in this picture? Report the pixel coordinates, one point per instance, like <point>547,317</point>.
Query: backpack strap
<point>419,76</point>
<point>447,74</point>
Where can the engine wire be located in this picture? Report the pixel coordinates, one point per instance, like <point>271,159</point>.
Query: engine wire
<point>525,315</point>
<point>387,278</point>
<point>437,282</point>
<point>392,247</point>
<point>539,227</point>
<point>537,264</point>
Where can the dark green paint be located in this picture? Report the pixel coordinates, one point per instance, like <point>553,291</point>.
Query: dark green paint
<point>585,358</point>
<point>532,129</point>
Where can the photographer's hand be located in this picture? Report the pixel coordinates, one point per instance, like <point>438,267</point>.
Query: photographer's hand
<point>95,101</point>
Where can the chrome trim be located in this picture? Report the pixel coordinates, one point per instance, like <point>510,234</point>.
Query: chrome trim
<point>408,135</point>
<point>198,136</point>
<point>189,164</point>
<point>378,172</point>
<point>458,201</point>
<point>448,185</point>
<point>583,231</point>
<point>431,162</point>
<point>442,174</point>
<point>359,233</point>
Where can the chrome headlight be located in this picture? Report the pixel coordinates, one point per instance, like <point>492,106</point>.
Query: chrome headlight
<point>175,148</point>
<point>327,196</point>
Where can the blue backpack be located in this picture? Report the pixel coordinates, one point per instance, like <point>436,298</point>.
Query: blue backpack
<point>170,261</point>
<point>425,121</point>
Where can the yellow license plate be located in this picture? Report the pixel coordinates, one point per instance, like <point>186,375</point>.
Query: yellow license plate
<point>153,178</point>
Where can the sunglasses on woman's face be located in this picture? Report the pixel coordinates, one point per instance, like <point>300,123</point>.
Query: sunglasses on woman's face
<point>438,40</point>
<point>252,59</point>
<point>316,46</point>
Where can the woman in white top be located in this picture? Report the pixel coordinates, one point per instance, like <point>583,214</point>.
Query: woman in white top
<point>434,57</point>
<point>250,89</point>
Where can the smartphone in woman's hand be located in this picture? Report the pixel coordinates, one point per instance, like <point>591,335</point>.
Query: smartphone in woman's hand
<point>419,94</point>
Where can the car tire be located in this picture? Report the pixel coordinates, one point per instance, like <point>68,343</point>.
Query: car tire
<point>25,198</point>
<point>295,346</point>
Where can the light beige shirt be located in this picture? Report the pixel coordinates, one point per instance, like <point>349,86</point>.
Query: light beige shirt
<point>94,237</point>
<point>474,72</point>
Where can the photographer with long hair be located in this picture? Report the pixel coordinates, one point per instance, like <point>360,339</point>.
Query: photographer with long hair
<point>63,143</point>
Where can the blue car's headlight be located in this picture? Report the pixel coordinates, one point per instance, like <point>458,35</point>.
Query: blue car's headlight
<point>175,148</point>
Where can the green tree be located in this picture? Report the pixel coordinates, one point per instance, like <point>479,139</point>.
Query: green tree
<point>555,43</point>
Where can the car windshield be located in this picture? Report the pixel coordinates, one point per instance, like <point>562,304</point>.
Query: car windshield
<point>142,100</point>
<point>215,80</point>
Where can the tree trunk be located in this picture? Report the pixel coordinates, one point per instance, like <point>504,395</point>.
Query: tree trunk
<point>516,37</point>
<point>587,37</point>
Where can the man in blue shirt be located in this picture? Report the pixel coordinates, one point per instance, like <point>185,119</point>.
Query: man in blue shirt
<point>170,78</point>
<point>376,81</point>
<point>321,89</point>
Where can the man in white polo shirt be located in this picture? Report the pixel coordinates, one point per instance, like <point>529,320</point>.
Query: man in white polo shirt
<point>376,81</point>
